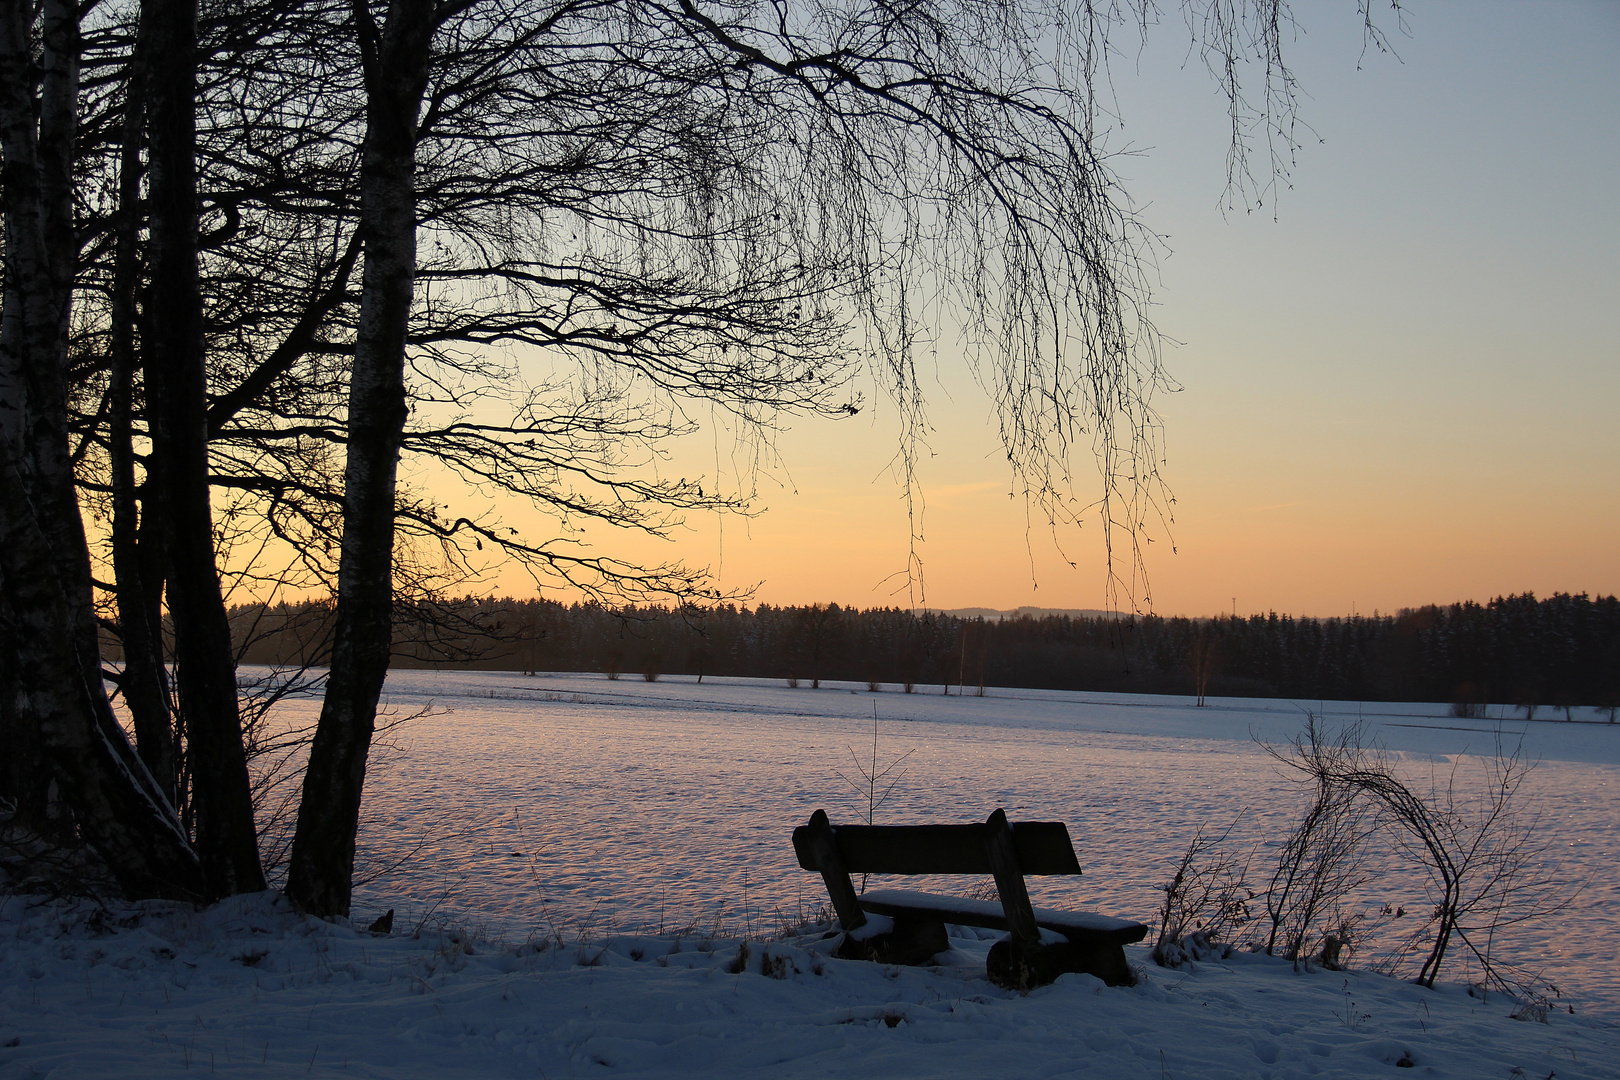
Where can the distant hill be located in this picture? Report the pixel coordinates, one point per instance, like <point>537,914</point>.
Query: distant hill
<point>993,615</point>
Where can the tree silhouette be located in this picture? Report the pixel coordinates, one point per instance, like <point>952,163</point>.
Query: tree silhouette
<point>574,225</point>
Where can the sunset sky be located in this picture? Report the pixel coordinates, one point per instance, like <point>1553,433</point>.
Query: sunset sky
<point>1400,378</point>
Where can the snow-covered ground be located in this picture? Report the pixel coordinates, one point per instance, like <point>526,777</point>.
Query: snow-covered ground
<point>248,989</point>
<point>575,864</point>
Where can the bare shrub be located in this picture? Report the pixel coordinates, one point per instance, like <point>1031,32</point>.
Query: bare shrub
<point>1468,702</point>
<point>277,747</point>
<point>740,964</point>
<point>983,889</point>
<point>1534,1010</point>
<point>1323,860</point>
<point>872,775</point>
<point>275,753</point>
<point>1206,899</point>
<point>1486,867</point>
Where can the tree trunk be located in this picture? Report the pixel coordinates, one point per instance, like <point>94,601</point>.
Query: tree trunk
<point>145,681</point>
<point>396,62</point>
<point>177,404</point>
<point>56,686</point>
<point>57,690</point>
<point>25,779</point>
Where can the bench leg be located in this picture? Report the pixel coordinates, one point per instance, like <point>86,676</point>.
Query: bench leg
<point>911,942</point>
<point>1015,967</point>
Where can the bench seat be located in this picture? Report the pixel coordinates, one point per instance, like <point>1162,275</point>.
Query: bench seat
<point>1074,925</point>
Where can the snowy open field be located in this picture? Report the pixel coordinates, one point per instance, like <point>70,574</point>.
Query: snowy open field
<point>587,856</point>
<point>574,801</point>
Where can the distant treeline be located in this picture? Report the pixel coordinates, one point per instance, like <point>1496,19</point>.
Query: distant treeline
<point>1564,650</point>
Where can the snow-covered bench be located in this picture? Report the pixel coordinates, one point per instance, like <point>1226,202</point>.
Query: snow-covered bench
<point>903,927</point>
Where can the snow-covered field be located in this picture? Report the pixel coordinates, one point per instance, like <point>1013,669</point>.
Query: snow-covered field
<point>584,858</point>
<point>588,804</point>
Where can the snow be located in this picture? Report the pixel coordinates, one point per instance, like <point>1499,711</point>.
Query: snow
<point>577,864</point>
<point>991,913</point>
<point>249,989</point>
<point>526,802</point>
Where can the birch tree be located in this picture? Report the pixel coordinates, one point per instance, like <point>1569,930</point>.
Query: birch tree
<point>206,668</point>
<point>55,682</point>
<point>394,58</point>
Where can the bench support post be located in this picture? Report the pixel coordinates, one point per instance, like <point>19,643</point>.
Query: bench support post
<point>998,844</point>
<point>824,849</point>
<point>1020,961</point>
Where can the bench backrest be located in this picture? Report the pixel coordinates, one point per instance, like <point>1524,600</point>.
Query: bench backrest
<point>901,927</point>
<point>1042,847</point>
<point>997,847</point>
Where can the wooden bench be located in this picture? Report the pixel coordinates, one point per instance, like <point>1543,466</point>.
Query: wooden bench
<point>1026,958</point>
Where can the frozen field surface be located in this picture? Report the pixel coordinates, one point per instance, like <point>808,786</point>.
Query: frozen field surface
<point>520,804</point>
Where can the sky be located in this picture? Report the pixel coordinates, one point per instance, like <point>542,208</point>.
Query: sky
<point>1398,378</point>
